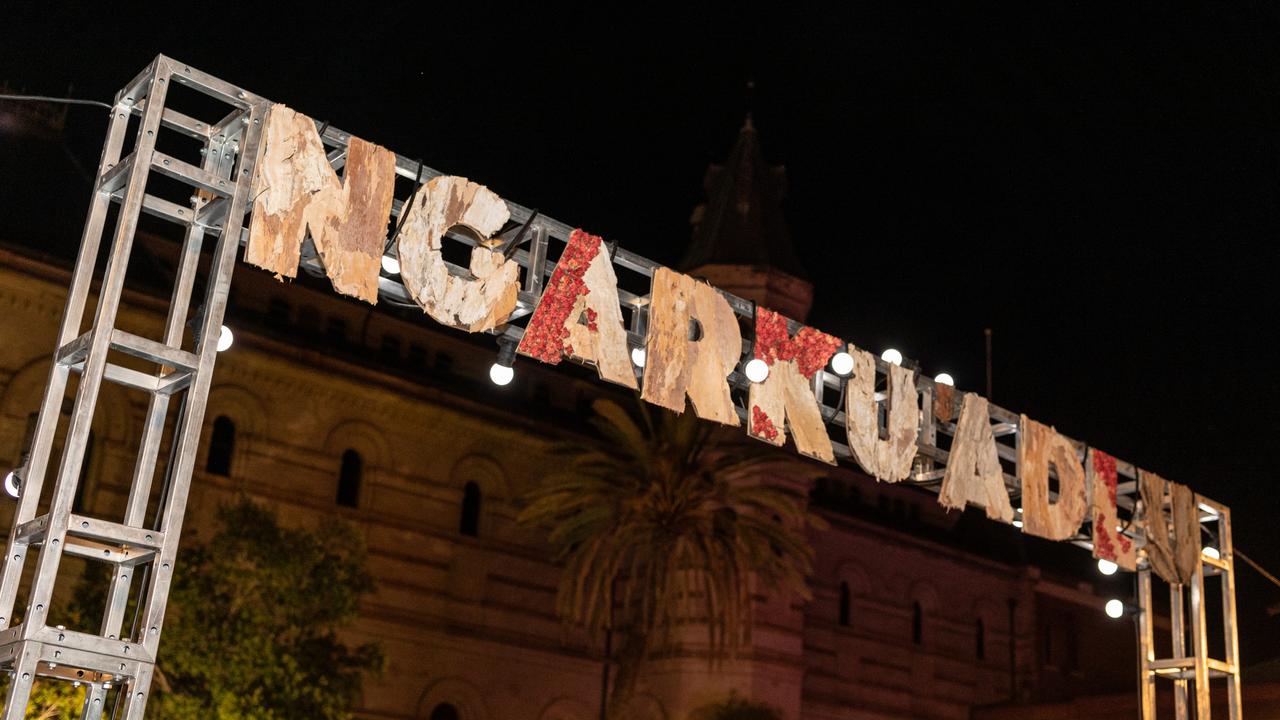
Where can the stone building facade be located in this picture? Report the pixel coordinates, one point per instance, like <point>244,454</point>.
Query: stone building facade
<point>327,408</point>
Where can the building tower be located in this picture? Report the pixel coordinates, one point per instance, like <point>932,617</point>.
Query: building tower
<point>740,238</point>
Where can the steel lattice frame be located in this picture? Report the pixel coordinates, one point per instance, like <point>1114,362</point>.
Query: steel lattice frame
<point>221,182</point>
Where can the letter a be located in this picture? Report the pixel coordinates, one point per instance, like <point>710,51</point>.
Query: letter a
<point>973,474</point>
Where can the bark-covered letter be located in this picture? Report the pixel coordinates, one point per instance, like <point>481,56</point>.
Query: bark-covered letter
<point>678,365</point>
<point>296,189</point>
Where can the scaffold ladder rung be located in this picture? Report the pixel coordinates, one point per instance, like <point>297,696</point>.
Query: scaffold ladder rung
<point>1190,672</point>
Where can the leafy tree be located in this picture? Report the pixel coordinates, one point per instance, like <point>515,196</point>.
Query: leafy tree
<point>250,631</point>
<point>736,708</point>
<point>667,525</point>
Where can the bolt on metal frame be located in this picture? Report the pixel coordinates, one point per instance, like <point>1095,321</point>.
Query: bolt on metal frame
<point>223,184</point>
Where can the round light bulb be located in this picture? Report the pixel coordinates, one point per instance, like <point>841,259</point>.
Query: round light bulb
<point>1017,523</point>
<point>637,356</point>
<point>390,265</point>
<point>757,370</point>
<point>842,363</point>
<point>1212,552</point>
<point>225,338</point>
<point>945,379</point>
<point>501,374</point>
<point>1106,567</point>
<point>891,356</point>
<point>11,483</point>
<point>1115,609</point>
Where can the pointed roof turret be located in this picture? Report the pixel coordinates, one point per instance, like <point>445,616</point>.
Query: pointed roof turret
<point>741,221</point>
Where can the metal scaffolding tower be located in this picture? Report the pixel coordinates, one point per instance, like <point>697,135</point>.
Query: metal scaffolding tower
<point>1193,671</point>
<point>179,366</point>
<point>206,194</point>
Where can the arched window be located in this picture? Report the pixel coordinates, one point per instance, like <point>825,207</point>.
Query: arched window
<point>222,443</point>
<point>349,479</point>
<point>445,711</point>
<point>980,640</point>
<point>844,604</point>
<point>469,520</point>
<point>917,623</point>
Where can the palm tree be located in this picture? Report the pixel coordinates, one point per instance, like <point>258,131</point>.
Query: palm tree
<point>667,525</point>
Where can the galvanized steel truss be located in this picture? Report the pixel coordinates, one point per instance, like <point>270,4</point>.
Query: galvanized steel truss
<point>219,183</point>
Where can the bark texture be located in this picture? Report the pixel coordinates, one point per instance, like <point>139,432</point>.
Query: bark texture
<point>678,366</point>
<point>477,303</point>
<point>296,190</point>
<point>973,475</point>
<point>1040,446</point>
<point>887,460</point>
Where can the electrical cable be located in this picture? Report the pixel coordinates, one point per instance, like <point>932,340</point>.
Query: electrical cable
<point>1262,571</point>
<point>48,99</point>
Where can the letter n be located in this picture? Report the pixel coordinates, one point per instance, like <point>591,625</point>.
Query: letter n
<point>296,189</point>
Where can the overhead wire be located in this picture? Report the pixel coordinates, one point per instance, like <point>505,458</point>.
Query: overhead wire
<point>50,99</point>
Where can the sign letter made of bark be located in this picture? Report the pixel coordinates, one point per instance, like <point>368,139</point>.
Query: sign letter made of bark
<point>677,365</point>
<point>297,189</point>
<point>1109,542</point>
<point>973,475</point>
<point>1172,558</point>
<point>578,314</point>
<point>786,398</point>
<point>887,460</point>
<point>1040,446</point>
<point>477,303</point>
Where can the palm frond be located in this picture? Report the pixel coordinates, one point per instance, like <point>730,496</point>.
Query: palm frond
<point>661,526</point>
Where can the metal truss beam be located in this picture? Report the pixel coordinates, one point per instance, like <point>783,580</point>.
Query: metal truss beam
<point>214,207</point>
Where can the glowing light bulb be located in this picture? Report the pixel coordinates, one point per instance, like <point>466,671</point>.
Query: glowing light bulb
<point>390,265</point>
<point>638,356</point>
<point>891,356</point>
<point>945,379</point>
<point>1212,552</point>
<point>1017,523</point>
<point>1115,609</point>
<point>225,338</point>
<point>1106,567</point>
<point>501,374</point>
<point>842,363</point>
<point>11,483</point>
<point>757,370</point>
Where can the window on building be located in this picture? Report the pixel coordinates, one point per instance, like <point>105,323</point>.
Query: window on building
<point>1046,641</point>
<point>390,348</point>
<point>417,356</point>
<point>469,521</point>
<point>222,444</point>
<point>279,313</point>
<point>844,604</point>
<point>917,623</point>
<point>349,479</point>
<point>336,328</point>
<point>980,640</point>
<point>1071,651</point>
<point>445,711</point>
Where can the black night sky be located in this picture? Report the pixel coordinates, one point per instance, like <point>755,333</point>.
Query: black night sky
<point>1099,185</point>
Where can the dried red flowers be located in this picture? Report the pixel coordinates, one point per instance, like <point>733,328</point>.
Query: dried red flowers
<point>1104,466</point>
<point>547,334</point>
<point>810,348</point>
<point>761,425</point>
